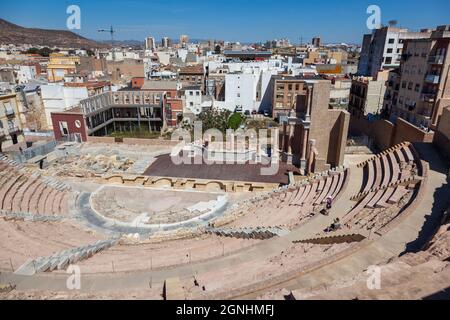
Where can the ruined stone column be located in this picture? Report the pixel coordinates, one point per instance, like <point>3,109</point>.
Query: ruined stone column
<point>291,137</point>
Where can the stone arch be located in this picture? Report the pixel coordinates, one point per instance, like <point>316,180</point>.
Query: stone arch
<point>163,182</point>
<point>214,186</point>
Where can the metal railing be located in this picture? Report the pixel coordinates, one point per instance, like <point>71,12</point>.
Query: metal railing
<point>438,59</point>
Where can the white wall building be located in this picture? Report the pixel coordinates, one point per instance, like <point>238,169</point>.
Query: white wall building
<point>57,98</point>
<point>383,49</point>
<point>26,73</point>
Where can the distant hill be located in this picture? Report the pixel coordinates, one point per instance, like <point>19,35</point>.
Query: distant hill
<point>124,43</point>
<point>13,34</point>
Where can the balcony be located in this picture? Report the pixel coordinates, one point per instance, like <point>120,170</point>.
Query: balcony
<point>9,112</point>
<point>13,129</point>
<point>432,78</point>
<point>428,97</point>
<point>425,112</point>
<point>436,59</point>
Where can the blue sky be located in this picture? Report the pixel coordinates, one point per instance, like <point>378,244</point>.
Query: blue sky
<point>232,20</point>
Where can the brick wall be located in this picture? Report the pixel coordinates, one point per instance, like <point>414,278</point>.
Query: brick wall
<point>404,131</point>
<point>385,134</point>
<point>442,135</point>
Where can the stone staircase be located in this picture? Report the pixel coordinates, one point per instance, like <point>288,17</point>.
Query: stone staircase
<point>49,181</point>
<point>61,260</point>
<point>259,233</point>
<point>7,215</point>
<point>342,236</point>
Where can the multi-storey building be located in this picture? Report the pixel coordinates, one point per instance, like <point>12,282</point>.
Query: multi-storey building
<point>150,43</point>
<point>10,121</point>
<point>285,91</point>
<point>110,112</point>
<point>316,42</point>
<point>367,94</point>
<point>383,49</point>
<point>192,76</point>
<point>60,65</point>
<point>184,40</point>
<point>166,42</point>
<point>421,86</point>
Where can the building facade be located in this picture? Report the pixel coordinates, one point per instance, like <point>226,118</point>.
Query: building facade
<point>109,112</point>
<point>285,91</point>
<point>383,49</point>
<point>420,87</point>
<point>11,127</point>
<point>367,95</point>
<point>60,65</point>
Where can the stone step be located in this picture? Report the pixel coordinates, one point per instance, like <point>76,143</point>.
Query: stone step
<point>60,261</point>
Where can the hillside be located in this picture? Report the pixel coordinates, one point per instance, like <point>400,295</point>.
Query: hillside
<point>14,34</point>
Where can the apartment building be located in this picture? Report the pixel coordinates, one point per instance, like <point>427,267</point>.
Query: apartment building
<point>316,42</point>
<point>184,40</point>
<point>150,43</point>
<point>192,76</point>
<point>420,87</point>
<point>166,42</point>
<point>11,128</point>
<point>60,65</point>
<point>285,91</point>
<point>367,95</point>
<point>383,49</point>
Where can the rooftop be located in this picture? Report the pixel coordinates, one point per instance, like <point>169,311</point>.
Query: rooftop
<point>160,85</point>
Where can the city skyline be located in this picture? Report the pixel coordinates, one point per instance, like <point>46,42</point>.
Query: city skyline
<point>249,24</point>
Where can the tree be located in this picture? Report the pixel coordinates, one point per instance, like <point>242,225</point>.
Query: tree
<point>215,119</point>
<point>235,121</point>
<point>217,49</point>
<point>45,52</point>
<point>33,51</point>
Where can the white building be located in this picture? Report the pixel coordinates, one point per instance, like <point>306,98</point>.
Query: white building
<point>57,98</point>
<point>26,73</point>
<point>150,43</point>
<point>383,49</point>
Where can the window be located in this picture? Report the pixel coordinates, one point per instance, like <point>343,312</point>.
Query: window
<point>64,129</point>
<point>404,84</point>
<point>388,60</point>
<point>191,93</point>
<point>390,50</point>
<point>238,95</point>
<point>417,88</point>
<point>391,41</point>
<point>197,93</point>
<point>191,104</point>
<point>410,85</point>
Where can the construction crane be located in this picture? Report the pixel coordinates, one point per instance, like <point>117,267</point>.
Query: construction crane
<point>112,32</point>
